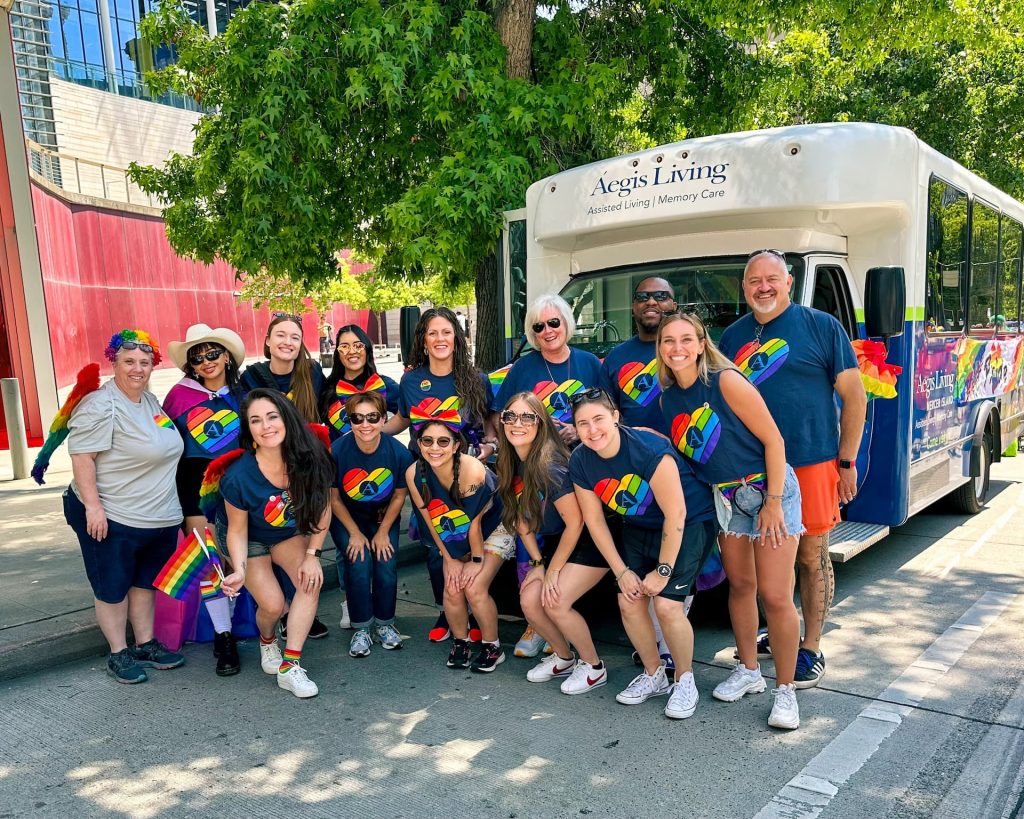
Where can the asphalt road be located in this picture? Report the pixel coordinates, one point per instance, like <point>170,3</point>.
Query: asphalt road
<point>920,714</point>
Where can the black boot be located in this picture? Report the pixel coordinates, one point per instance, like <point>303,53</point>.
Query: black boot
<point>226,652</point>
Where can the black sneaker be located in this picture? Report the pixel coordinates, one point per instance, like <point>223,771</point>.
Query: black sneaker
<point>489,658</point>
<point>226,651</point>
<point>458,657</point>
<point>317,631</point>
<point>764,648</point>
<point>155,654</point>
<point>810,668</point>
<point>123,668</point>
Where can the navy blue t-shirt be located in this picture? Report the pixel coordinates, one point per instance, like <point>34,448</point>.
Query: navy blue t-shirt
<point>623,482</point>
<point>706,431</point>
<point>554,384</point>
<point>211,428</point>
<point>260,375</point>
<point>271,517</point>
<point>794,365</point>
<point>629,374</point>
<point>337,418</point>
<point>421,393</point>
<point>366,482</point>
<point>551,521</point>
<point>451,520</point>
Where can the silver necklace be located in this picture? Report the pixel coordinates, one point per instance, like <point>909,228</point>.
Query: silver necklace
<point>551,376</point>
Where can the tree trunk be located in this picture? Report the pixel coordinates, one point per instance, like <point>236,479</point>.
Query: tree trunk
<point>514,21</point>
<point>489,335</point>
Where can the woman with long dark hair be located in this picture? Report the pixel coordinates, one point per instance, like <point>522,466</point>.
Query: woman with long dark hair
<point>353,371</point>
<point>275,511</point>
<point>540,505</point>
<point>442,379</point>
<point>289,367</point>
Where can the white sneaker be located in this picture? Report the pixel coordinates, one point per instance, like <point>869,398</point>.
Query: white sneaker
<point>388,637</point>
<point>550,667</point>
<point>742,681</point>
<point>645,686</point>
<point>682,702</point>
<point>270,657</point>
<point>359,645</point>
<point>529,644</point>
<point>346,621</point>
<point>785,712</point>
<point>585,678</point>
<point>296,681</point>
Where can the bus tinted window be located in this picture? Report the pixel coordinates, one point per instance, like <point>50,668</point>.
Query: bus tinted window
<point>1010,239</point>
<point>984,265</point>
<point>601,301</point>
<point>946,279</point>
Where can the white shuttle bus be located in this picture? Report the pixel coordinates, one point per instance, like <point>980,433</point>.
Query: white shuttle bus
<point>900,243</point>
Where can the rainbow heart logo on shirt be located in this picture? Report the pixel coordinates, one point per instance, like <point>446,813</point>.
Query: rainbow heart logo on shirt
<point>629,495</point>
<point>555,397</point>
<point>278,511</point>
<point>361,485</point>
<point>213,430</point>
<point>450,524</point>
<point>163,421</point>
<point>517,486</point>
<point>639,381</point>
<point>696,436</point>
<point>761,362</point>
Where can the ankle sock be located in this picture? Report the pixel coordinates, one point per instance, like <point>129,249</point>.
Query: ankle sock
<point>266,641</point>
<point>290,657</point>
<point>598,665</point>
<point>220,613</point>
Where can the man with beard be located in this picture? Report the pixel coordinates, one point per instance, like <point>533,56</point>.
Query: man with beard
<point>800,359</point>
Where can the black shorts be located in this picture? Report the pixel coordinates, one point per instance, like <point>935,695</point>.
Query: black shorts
<point>642,547</point>
<point>188,479</point>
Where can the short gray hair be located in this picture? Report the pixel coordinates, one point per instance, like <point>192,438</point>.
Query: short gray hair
<point>542,303</point>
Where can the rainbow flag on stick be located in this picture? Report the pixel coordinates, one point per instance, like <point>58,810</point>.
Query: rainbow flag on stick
<point>187,566</point>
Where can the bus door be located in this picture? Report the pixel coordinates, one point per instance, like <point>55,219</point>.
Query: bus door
<point>512,281</point>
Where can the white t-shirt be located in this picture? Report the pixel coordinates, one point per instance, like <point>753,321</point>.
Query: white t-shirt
<point>138,451</point>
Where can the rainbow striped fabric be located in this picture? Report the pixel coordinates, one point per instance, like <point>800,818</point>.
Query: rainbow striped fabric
<point>187,566</point>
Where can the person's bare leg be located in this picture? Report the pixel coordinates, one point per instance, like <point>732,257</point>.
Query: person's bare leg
<point>112,619</point>
<point>574,581</point>
<point>677,631</point>
<point>738,560</point>
<point>637,621</point>
<point>141,605</point>
<point>817,586</point>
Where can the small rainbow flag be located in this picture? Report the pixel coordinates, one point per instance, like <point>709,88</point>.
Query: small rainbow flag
<point>187,566</point>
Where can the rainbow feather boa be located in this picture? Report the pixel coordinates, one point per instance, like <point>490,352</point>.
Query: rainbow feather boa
<point>87,381</point>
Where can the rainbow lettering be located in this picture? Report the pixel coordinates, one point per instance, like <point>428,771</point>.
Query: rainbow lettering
<point>373,486</point>
<point>696,436</point>
<point>450,524</point>
<point>629,495</point>
<point>213,430</point>
<point>556,397</point>
<point>639,382</point>
<point>163,421</point>
<point>762,362</point>
<point>278,511</point>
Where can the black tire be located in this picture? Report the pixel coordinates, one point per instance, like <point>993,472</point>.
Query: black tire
<point>970,498</point>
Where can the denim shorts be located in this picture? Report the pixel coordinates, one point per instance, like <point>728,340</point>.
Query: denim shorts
<point>256,548</point>
<point>741,519</point>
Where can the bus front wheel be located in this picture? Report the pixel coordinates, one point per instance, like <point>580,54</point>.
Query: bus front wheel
<point>970,498</point>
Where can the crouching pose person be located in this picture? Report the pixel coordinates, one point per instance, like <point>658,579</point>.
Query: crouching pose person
<point>667,532</point>
<point>276,511</point>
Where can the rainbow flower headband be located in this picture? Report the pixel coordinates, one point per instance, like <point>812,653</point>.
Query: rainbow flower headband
<point>137,337</point>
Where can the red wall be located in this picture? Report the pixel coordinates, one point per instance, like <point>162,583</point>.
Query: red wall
<point>104,270</point>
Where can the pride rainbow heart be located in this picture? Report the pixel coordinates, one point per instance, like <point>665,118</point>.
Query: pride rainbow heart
<point>696,436</point>
<point>163,421</point>
<point>450,524</point>
<point>556,397</point>
<point>213,430</point>
<point>639,381</point>
<point>629,495</point>
<point>361,485</point>
<point>760,362</point>
<point>278,511</point>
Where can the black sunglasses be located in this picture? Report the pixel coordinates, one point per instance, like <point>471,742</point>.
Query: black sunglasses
<point>289,316</point>
<point>591,394</point>
<point>136,345</point>
<point>770,251</point>
<point>210,355</point>
<point>640,296</point>
<point>525,418</point>
<point>552,323</point>
<point>357,418</point>
<point>427,441</point>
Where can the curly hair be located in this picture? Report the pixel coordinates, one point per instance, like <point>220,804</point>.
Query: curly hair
<point>137,337</point>
<point>309,465</point>
<point>468,381</point>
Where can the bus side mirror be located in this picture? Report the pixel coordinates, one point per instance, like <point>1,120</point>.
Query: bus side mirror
<point>885,302</point>
<point>408,318</point>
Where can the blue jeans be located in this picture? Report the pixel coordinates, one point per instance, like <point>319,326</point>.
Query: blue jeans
<point>435,563</point>
<point>371,584</point>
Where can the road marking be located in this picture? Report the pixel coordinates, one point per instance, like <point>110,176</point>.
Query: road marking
<point>808,793</point>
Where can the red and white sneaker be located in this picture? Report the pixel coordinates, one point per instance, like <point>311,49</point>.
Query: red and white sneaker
<point>550,667</point>
<point>584,678</point>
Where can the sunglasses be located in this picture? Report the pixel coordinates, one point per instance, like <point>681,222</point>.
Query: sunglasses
<point>357,418</point>
<point>525,418</point>
<point>770,251</point>
<point>289,316</point>
<point>591,394</point>
<point>427,441</point>
<point>554,324</point>
<point>355,346</point>
<point>640,296</point>
<point>136,345</point>
<point>210,355</point>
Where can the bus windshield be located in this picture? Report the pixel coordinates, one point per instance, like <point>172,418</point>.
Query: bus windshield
<point>601,300</point>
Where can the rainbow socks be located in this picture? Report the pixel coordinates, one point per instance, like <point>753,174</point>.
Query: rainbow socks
<point>289,658</point>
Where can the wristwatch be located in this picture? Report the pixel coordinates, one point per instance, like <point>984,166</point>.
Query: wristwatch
<point>664,570</point>
<point>476,558</point>
<point>845,464</point>
<point>536,563</point>
<point>314,552</point>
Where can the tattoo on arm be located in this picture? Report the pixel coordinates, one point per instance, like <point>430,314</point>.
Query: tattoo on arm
<point>471,489</point>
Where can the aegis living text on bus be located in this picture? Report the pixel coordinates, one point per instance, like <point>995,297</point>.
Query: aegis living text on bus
<point>715,174</point>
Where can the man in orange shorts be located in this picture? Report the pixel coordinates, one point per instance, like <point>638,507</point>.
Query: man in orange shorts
<point>800,359</point>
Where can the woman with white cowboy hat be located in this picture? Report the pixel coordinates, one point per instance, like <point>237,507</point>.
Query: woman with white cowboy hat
<point>204,407</point>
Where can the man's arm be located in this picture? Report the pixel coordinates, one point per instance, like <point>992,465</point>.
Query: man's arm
<point>850,389</point>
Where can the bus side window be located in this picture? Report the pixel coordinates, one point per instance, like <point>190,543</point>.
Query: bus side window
<point>831,296</point>
<point>946,271</point>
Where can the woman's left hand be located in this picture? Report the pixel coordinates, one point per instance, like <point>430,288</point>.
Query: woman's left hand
<point>381,545</point>
<point>469,573</point>
<point>654,584</point>
<point>311,574</point>
<point>772,523</point>
<point>567,432</point>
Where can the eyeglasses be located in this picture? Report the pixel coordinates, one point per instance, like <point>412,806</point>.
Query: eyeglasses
<point>591,394</point>
<point>554,324</point>
<point>357,418</point>
<point>136,345</point>
<point>289,316</point>
<point>640,296</point>
<point>210,355</point>
<point>427,441</point>
<point>770,251</point>
<point>525,418</point>
<point>355,346</point>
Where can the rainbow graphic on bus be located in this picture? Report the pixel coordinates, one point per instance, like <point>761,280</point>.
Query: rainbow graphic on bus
<point>450,524</point>
<point>213,430</point>
<point>696,435</point>
<point>629,495</point>
<point>761,362</point>
<point>555,397</point>
<point>278,511</point>
<point>361,485</point>
<point>163,421</point>
<point>639,381</point>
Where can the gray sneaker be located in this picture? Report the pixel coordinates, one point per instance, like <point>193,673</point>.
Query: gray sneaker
<point>388,637</point>
<point>155,654</point>
<point>361,643</point>
<point>122,666</point>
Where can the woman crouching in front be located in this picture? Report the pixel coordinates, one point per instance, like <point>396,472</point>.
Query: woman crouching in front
<point>668,529</point>
<point>276,511</point>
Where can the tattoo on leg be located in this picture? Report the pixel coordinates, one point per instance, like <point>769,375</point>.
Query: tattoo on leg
<point>828,581</point>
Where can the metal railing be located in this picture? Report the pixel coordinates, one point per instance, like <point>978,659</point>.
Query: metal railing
<point>123,82</point>
<point>87,177</point>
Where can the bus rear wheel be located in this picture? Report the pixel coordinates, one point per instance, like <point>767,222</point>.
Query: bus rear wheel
<point>970,498</point>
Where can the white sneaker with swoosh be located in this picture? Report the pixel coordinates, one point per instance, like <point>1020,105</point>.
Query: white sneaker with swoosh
<point>585,678</point>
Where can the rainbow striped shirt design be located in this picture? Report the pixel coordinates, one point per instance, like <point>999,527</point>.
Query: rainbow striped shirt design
<point>639,381</point>
<point>759,363</point>
<point>555,397</point>
<point>450,524</point>
<point>213,430</point>
<point>361,485</point>
<point>162,420</point>
<point>629,495</point>
<point>696,435</point>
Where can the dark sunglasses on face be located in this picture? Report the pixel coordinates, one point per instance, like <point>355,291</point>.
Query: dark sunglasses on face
<point>524,418</point>
<point>770,251</point>
<point>592,394</point>
<point>135,345</point>
<point>640,296</point>
<point>196,359</point>
<point>289,316</point>
<point>427,441</point>
<point>356,346</point>
<point>358,418</point>
<point>554,324</point>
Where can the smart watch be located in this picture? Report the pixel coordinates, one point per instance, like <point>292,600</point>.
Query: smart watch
<point>477,558</point>
<point>314,552</point>
<point>845,464</point>
<point>536,563</point>
<point>664,570</point>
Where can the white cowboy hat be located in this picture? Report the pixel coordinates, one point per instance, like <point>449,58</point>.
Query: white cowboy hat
<point>205,334</point>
